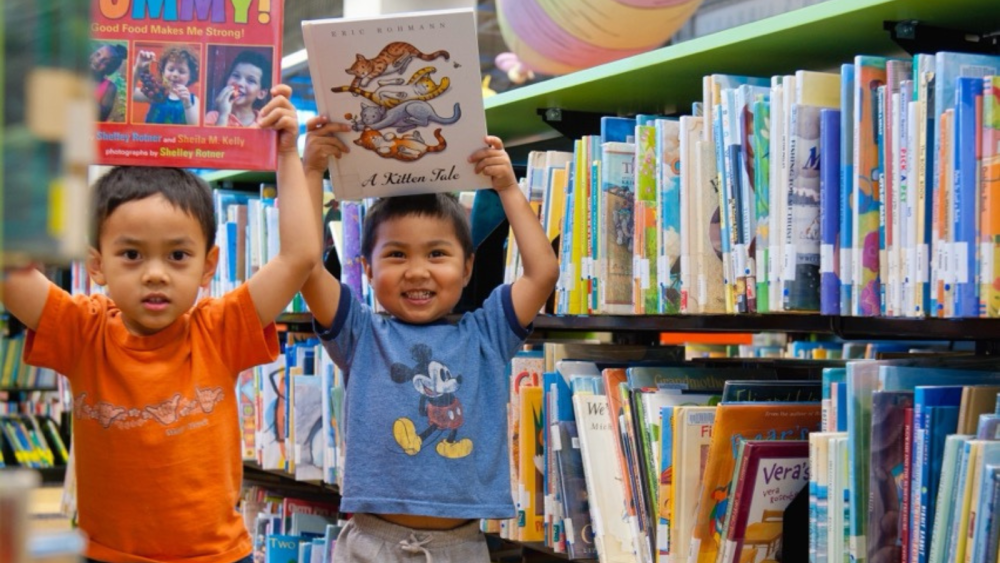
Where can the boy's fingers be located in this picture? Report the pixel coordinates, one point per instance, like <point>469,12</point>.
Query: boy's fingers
<point>315,122</point>
<point>281,90</point>
<point>326,130</point>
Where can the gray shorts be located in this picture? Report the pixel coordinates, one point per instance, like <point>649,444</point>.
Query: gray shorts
<point>369,539</point>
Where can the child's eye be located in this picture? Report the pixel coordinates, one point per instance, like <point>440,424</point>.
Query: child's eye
<point>178,255</point>
<point>130,254</point>
<point>438,254</point>
<point>395,254</point>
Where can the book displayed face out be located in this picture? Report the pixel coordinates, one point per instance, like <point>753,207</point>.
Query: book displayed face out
<point>409,85</point>
<point>182,83</point>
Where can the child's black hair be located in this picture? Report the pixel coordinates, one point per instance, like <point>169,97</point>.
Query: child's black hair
<point>119,53</point>
<point>179,54</point>
<point>439,206</point>
<point>181,188</point>
<point>258,60</point>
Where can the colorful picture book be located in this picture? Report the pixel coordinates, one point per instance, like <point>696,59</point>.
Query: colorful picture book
<point>770,474</point>
<point>182,83</point>
<point>409,86</point>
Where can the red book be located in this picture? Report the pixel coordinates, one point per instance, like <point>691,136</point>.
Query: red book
<point>771,474</point>
<point>181,83</point>
<point>904,524</point>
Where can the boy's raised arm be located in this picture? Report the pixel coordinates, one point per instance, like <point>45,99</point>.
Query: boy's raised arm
<point>25,291</point>
<point>541,270</point>
<point>274,285</point>
<point>321,290</point>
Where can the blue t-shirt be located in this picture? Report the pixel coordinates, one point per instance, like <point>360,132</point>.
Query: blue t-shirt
<point>426,409</point>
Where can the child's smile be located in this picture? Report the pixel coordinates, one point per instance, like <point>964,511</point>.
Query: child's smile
<point>418,268</point>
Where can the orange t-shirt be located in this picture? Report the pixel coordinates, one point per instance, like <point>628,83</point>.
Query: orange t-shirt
<point>156,432</point>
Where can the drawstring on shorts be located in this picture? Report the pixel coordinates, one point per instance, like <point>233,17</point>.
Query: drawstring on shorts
<point>413,545</point>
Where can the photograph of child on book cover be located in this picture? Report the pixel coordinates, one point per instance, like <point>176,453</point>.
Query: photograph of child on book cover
<point>106,58</point>
<point>165,83</point>
<point>238,79</point>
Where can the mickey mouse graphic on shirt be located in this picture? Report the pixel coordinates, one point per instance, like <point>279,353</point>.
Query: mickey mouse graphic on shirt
<point>436,386</point>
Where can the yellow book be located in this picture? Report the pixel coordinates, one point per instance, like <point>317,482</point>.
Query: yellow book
<point>579,234</point>
<point>820,89</point>
<point>530,512</point>
<point>965,500</point>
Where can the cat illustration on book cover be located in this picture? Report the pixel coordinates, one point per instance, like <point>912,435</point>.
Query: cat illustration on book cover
<point>394,58</point>
<point>404,117</point>
<point>406,147</point>
<point>392,103</point>
<point>392,92</point>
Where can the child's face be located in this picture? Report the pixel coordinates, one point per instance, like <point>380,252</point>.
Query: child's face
<point>177,73</point>
<point>246,81</point>
<point>418,268</point>
<point>100,60</point>
<point>152,258</point>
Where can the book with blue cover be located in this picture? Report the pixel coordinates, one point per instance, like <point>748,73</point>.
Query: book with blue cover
<point>967,194</point>
<point>579,531</point>
<point>829,211</point>
<point>935,415</point>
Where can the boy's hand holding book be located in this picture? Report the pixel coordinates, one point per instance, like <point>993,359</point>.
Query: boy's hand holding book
<point>493,161</point>
<point>323,143</point>
<point>279,114</point>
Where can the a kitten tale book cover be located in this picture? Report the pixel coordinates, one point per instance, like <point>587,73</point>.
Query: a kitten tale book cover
<point>181,82</point>
<point>409,86</point>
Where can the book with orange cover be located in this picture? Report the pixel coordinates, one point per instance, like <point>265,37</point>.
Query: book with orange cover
<point>733,423</point>
<point>989,288</point>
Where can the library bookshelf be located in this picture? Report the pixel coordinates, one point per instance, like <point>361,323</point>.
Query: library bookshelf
<point>820,37</point>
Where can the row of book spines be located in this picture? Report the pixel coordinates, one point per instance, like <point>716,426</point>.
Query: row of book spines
<point>303,369</point>
<point>290,529</point>
<point>640,468</point>
<point>581,292</point>
<point>830,391</point>
<point>15,373</point>
<point>31,441</point>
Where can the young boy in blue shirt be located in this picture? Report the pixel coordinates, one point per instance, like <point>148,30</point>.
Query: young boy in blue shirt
<point>426,399</point>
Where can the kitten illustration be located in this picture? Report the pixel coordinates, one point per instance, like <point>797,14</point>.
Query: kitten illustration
<point>408,147</point>
<point>392,92</point>
<point>393,58</point>
<point>404,117</point>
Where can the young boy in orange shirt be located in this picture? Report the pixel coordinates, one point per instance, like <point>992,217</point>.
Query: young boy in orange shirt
<point>156,432</point>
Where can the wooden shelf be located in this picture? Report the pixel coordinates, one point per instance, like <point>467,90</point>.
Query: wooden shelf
<point>818,37</point>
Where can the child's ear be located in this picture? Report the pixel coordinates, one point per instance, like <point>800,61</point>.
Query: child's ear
<point>368,268</point>
<point>467,269</point>
<point>95,266</point>
<point>211,262</point>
